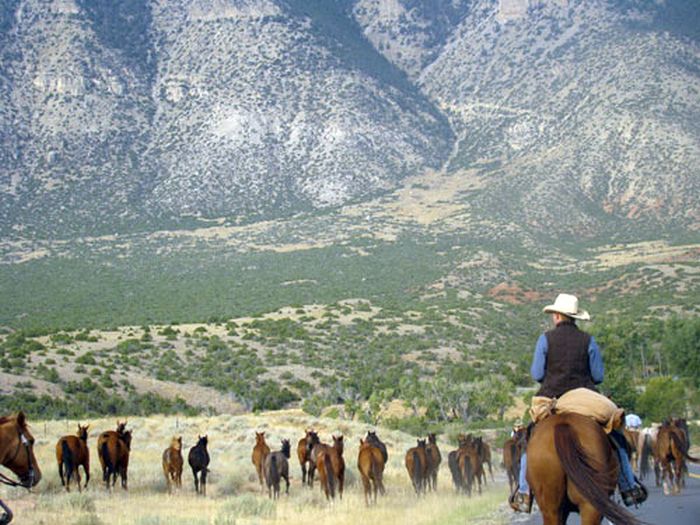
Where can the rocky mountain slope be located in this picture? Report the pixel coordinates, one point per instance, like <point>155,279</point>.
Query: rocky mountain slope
<point>132,115</point>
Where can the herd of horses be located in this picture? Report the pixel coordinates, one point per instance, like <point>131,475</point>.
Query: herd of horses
<point>571,464</point>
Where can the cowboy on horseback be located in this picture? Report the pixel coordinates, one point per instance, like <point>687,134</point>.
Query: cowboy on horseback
<point>566,358</point>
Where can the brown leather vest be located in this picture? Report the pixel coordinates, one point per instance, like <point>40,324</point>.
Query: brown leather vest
<point>567,361</point>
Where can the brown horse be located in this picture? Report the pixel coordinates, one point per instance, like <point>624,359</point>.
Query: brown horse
<point>672,453</point>
<point>17,454</point>
<point>484,451</point>
<point>113,449</point>
<point>370,463</point>
<point>572,467</point>
<point>434,459</point>
<point>417,465</point>
<point>512,450</point>
<point>71,453</point>
<point>331,467</point>
<point>260,452</point>
<point>302,455</point>
<point>632,438</point>
<point>172,463</point>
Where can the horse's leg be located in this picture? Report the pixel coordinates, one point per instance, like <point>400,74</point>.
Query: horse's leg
<point>60,472</point>
<point>491,471</point>
<point>196,480</point>
<point>589,515</point>
<point>310,474</point>
<point>77,476</point>
<point>286,480</point>
<point>203,481</point>
<point>303,473</point>
<point>86,468</point>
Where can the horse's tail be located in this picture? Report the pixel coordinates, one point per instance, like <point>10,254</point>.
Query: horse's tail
<point>417,470</point>
<point>106,457</point>
<point>274,472</point>
<point>644,456</point>
<point>330,475</point>
<point>377,472</point>
<point>468,475</point>
<point>592,483</point>
<point>67,460</point>
<point>682,448</point>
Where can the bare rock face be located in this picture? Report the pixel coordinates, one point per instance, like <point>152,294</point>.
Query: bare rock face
<point>134,114</point>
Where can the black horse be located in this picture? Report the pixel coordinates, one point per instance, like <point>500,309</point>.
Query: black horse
<point>198,458</point>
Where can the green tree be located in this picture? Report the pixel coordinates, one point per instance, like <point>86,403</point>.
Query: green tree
<point>663,397</point>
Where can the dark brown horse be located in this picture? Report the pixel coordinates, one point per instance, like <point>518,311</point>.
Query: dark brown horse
<point>198,459</point>
<point>470,464</point>
<point>260,452</point>
<point>71,453</point>
<point>276,467</point>
<point>302,455</point>
<point>417,465</point>
<point>113,449</point>
<point>571,467</point>
<point>331,467</point>
<point>17,454</point>
<point>313,448</point>
<point>512,450</point>
<point>373,439</point>
<point>434,460</point>
<point>172,463</point>
<point>370,463</point>
<point>671,453</point>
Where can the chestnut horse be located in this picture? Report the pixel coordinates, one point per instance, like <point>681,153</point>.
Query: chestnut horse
<point>572,467</point>
<point>260,452</point>
<point>113,449</point>
<point>417,465</point>
<point>672,451</point>
<point>331,467</point>
<point>17,454</point>
<point>370,463</point>
<point>172,463</point>
<point>71,453</point>
<point>198,459</point>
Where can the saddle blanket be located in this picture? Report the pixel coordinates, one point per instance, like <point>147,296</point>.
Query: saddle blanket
<point>580,401</point>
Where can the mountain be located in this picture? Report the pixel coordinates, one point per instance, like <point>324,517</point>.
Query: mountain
<point>123,116</point>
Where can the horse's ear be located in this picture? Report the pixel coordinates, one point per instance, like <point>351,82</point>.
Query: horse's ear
<point>361,442</point>
<point>21,420</point>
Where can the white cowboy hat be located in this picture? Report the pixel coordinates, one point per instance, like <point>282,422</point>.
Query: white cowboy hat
<point>568,305</point>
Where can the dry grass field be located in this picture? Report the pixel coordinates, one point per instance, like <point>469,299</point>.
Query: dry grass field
<point>233,493</point>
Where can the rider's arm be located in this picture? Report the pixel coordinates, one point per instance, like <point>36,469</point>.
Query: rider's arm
<point>595,362</point>
<point>539,360</point>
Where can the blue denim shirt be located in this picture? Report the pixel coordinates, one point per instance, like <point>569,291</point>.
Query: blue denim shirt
<point>539,360</point>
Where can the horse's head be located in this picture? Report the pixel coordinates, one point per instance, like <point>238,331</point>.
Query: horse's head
<point>338,443</point>
<point>421,443</point>
<point>17,445</point>
<point>202,441</point>
<point>311,440</point>
<point>432,439</point>
<point>83,431</point>
<point>260,438</point>
<point>286,448</point>
<point>176,443</point>
<point>121,427</point>
<point>464,440</point>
